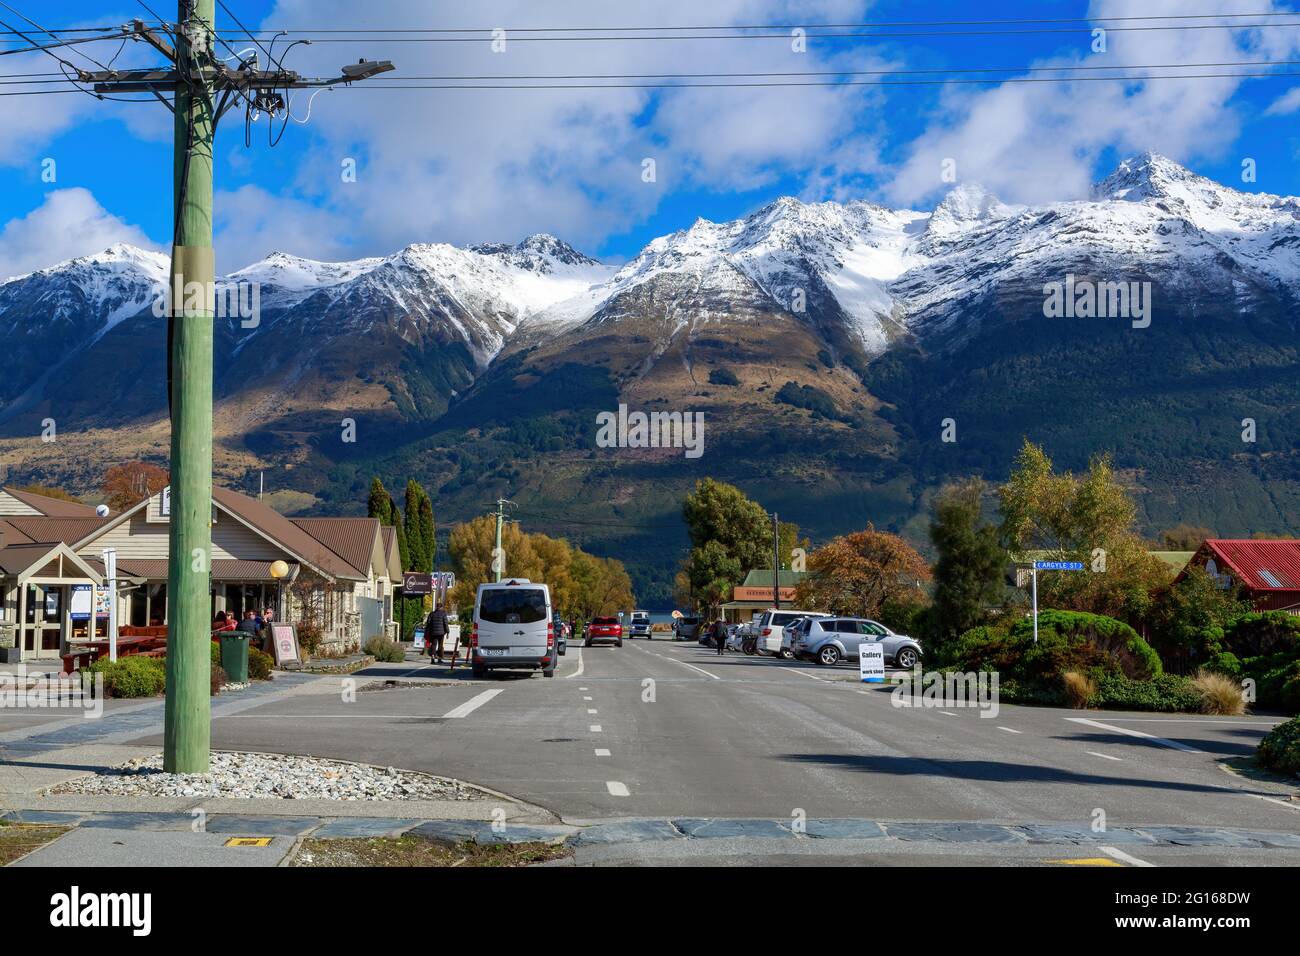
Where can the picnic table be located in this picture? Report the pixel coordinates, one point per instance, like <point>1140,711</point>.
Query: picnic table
<point>87,652</point>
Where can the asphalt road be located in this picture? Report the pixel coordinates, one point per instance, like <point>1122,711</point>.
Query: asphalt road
<point>658,729</point>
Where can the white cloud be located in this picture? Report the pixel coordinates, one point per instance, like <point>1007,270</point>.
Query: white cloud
<point>473,166</point>
<point>69,223</point>
<point>1288,102</point>
<point>1036,142</point>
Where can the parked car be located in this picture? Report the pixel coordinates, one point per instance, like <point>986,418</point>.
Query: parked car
<point>561,634</point>
<point>686,627</point>
<point>604,629</point>
<point>640,625</point>
<point>770,626</point>
<point>513,628</point>
<point>829,640</point>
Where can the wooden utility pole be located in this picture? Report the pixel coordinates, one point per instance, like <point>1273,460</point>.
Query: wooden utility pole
<point>203,88</point>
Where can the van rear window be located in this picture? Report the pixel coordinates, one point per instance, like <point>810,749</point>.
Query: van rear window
<point>512,606</point>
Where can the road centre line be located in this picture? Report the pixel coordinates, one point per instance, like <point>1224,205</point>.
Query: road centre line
<point>1008,729</point>
<point>591,710</point>
<point>471,705</point>
<point>602,752</point>
<point>617,789</point>
<point>683,663</point>
<point>1101,755</point>
<point>595,728</point>
<point>1135,733</point>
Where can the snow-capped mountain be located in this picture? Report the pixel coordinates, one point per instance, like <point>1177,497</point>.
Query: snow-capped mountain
<point>851,278</point>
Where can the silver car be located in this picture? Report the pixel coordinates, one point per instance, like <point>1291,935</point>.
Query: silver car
<point>829,640</point>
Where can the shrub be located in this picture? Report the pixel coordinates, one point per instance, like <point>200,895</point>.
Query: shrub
<point>1264,633</point>
<point>1167,693</point>
<point>1225,663</point>
<point>260,664</point>
<point>1079,688</point>
<point>218,679</point>
<point>723,376</point>
<point>216,653</point>
<point>1280,748</point>
<point>134,676</point>
<point>382,649</point>
<point>310,638</point>
<point>1219,694</point>
<point>1277,681</point>
<point>1089,644</point>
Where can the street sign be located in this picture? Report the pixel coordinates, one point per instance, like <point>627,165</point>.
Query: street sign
<point>417,582</point>
<point>1048,566</point>
<point>871,663</point>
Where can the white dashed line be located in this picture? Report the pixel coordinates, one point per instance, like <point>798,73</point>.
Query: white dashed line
<point>591,710</point>
<point>947,713</point>
<point>595,728</point>
<point>1102,756</point>
<point>602,752</point>
<point>617,789</point>
<point>1135,733</point>
<point>471,705</point>
<point>1123,857</point>
<point>1008,729</point>
<point>586,698</point>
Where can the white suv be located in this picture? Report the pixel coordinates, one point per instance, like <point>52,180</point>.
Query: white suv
<point>770,627</point>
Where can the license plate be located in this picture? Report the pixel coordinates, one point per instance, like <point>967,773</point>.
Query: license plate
<point>492,651</point>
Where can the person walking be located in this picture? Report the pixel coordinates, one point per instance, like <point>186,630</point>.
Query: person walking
<point>435,632</point>
<point>720,636</point>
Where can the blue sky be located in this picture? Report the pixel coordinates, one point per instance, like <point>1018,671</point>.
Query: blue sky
<point>467,167</point>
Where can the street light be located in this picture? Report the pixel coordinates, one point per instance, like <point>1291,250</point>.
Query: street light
<point>278,570</point>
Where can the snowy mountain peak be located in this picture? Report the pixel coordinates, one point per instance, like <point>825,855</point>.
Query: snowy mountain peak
<point>540,252</point>
<point>1149,176</point>
<point>967,205</point>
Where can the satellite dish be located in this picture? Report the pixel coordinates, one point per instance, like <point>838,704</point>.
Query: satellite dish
<point>101,510</point>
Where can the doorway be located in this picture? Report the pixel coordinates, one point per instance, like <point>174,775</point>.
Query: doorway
<point>42,624</point>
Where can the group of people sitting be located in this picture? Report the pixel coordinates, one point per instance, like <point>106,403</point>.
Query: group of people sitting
<point>255,625</point>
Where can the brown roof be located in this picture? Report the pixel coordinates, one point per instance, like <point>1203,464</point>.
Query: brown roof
<point>352,539</point>
<point>12,535</point>
<point>223,569</point>
<point>53,507</point>
<point>392,556</point>
<point>285,533</point>
<point>19,557</point>
<point>67,530</point>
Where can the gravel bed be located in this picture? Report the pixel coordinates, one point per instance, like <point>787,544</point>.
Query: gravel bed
<point>271,776</point>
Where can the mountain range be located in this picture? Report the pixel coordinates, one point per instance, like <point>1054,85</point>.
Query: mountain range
<point>831,347</point>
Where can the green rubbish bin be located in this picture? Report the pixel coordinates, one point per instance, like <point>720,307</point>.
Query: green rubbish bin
<point>234,656</point>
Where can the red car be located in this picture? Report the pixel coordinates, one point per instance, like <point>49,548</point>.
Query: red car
<point>604,629</point>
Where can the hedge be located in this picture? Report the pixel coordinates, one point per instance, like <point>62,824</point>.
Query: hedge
<point>134,676</point>
<point>1280,748</point>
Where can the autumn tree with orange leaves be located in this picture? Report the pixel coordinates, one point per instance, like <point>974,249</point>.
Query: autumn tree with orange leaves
<point>131,482</point>
<point>858,573</point>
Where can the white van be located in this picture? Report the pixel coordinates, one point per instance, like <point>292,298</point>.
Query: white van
<point>771,624</point>
<point>641,625</point>
<point>513,628</point>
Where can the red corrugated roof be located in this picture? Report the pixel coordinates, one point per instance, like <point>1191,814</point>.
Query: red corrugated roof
<point>1260,565</point>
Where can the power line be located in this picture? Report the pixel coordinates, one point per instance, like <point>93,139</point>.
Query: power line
<point>784,36</point>
<point>767,85</point>
<point>846,83</point>
<point>824,26</point>
<point>1000,69</point>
